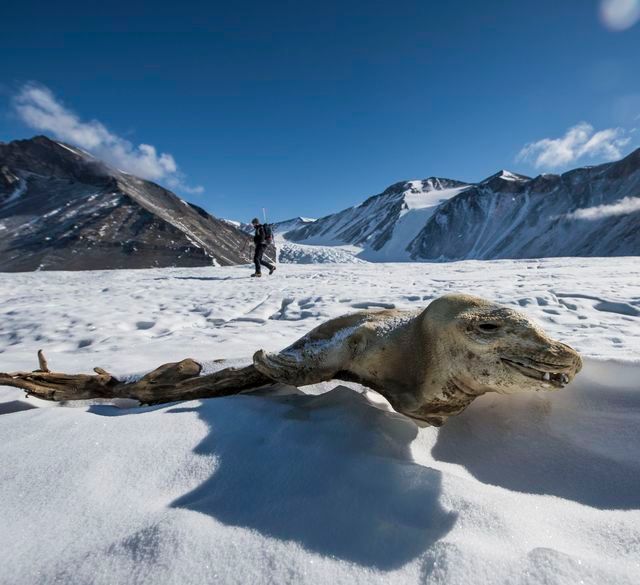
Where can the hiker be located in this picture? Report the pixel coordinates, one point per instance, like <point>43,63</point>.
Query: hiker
<point>261,239</point>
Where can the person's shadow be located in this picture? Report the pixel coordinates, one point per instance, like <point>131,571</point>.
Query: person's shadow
<point>329,472</point>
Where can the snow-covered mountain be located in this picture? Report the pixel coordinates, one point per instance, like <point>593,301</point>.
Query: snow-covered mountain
<point>284,227</point>
<point>280,228</point>
<point>591,211</point>
<point>63,209</point>
<point>384,225</point>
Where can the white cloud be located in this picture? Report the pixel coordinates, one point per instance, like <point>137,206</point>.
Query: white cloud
<point>580,141</point>
<point>622,207</point>
<point>197,190</point>
<point>38,108</point>
<point>619,14</point>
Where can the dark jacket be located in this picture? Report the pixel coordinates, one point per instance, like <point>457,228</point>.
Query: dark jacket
<point>260,238</point>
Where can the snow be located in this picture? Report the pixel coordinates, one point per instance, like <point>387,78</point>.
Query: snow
<point>72,150</point>
<point>18,192</point>
<point>506,176</point>
<point>420,206</point>
<point>406,210</point>
<point>417,199</point>
<point>323,484</point>
<point>292,253</point>
<point>281,228</point>
<point>509,176</point>
<point>76,151</point>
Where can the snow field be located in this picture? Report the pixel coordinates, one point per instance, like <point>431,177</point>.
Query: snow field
<point>323,484</point>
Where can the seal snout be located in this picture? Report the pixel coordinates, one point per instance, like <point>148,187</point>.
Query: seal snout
<point>556,365</point>
<point>572,355</point>
<point>560,355</point>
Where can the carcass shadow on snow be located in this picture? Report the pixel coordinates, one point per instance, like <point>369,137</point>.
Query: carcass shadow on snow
<point>579,443</point>
<point>330,472</point>
<point>14,406</point>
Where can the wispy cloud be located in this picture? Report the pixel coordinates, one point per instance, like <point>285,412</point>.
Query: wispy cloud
<point>39,108</point>
<point>622,207</point>
<point>180,186</point>
<point>580,141</point>
<point>619,14</point>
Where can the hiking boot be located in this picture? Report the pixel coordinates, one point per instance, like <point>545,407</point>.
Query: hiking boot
<point>272,270</point>
<point>256,274</point>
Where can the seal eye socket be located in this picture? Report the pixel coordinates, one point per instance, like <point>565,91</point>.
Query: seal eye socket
<point>488,327</point>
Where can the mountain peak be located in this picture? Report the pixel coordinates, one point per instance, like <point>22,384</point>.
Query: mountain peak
<point>47,157</point>
<point>40,138</point>
<point>62,148</point>
<point>439,184</point>
<point>505,175</point>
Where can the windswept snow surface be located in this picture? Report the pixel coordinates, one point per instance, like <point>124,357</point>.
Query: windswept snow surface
<point>323,484</point>
<point>292,253</point>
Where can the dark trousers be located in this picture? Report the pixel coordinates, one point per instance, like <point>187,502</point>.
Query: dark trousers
<point>257,258</point>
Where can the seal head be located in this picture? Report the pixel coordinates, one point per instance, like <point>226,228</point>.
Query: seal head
<point>477,346</point>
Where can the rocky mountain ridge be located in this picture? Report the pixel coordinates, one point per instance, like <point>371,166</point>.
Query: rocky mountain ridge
<point>63,209</point>
<point>590,211</point>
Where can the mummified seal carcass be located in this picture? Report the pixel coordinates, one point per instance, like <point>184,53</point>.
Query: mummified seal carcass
<point>429,364</point>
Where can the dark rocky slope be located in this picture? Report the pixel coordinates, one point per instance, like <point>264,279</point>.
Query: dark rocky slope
<point>62,209</point>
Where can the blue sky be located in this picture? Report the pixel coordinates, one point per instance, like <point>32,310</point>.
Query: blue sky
<point>308,107</point>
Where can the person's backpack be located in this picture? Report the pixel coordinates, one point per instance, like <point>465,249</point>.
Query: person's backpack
<point>268,233</point>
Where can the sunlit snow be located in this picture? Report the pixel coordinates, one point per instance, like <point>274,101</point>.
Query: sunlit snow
<point>326,484</point>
